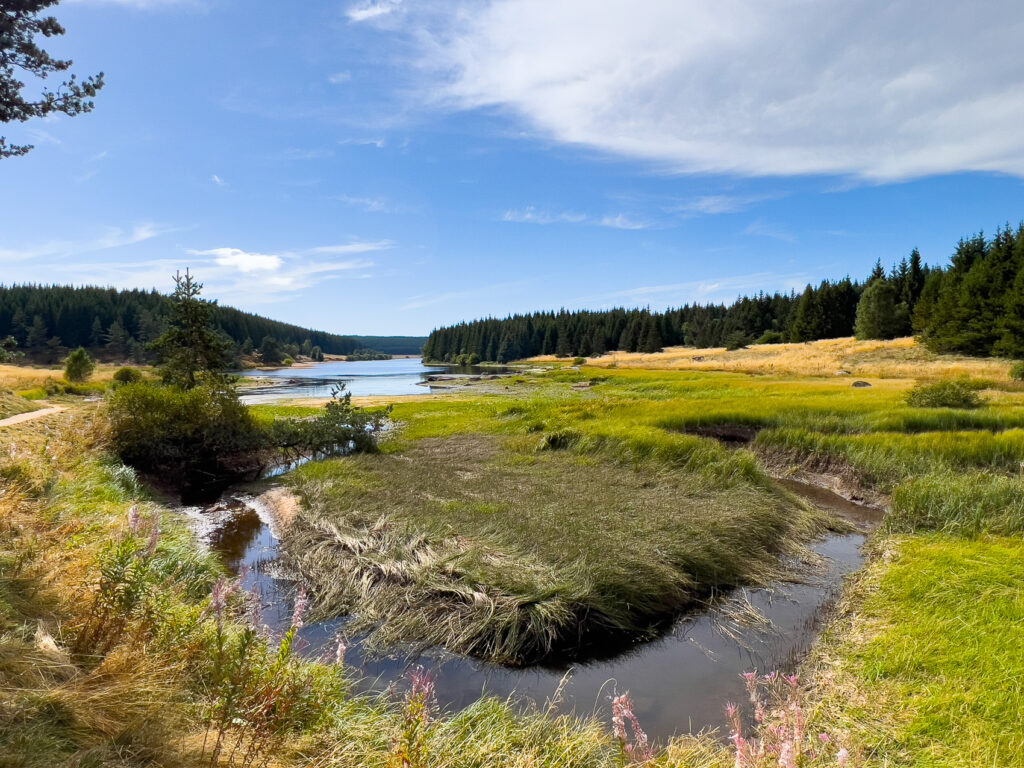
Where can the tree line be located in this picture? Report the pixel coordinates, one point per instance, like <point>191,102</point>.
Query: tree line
<point>973,306</point>
<point>46,320</point>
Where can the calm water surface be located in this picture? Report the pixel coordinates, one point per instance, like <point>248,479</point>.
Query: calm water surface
<point>401,376</point>
<point>677,682</point>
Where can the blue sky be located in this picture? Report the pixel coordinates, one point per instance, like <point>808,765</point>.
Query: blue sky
<point>378,166</point>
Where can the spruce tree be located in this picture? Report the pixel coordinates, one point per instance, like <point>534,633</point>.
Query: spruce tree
<point>79,366</point>
<point>37,334</point>
<point>879,314</point>
<point>809,318</point>
<point>190,348</point>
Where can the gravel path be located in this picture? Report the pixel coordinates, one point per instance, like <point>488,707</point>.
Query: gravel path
<point>22,417</point>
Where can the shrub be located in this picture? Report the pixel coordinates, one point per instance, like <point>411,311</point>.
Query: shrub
<point>1017,371</point>
<point>944,394</point>
<point>187,437</point>
<point>79,366</point>
<point>127,375</point>
<point>772,337</point>
<point>735,340</point>
<point>199,440</point>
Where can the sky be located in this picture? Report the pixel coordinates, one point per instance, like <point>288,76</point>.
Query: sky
<point>386,167</point>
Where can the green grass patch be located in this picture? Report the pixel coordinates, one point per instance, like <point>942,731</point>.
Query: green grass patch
<point>928,669</point>
<point>517,549</point>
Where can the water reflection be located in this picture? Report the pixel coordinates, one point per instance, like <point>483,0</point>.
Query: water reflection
<point>677,681</point>
<point>400,376</point>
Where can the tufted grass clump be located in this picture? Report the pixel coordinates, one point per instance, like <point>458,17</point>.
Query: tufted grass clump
<point>945,394</point>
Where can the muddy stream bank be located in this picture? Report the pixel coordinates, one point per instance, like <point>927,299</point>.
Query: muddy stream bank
<point>679,682</point>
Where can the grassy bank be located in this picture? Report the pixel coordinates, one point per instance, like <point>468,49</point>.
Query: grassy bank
<point>115,649</point>
<point>921,668</point>
<point>899,358</point>
<point>925,668</point>
<point>517,549</point>
<point>11,405</point>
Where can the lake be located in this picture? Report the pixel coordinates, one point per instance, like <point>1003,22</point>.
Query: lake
<point>400,376</point>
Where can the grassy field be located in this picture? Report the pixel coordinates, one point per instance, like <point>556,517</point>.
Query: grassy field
<point>114,652</point>
<point>519,548</point>
<point>899,358</point>
<point>925,667</point>
<point>11,405</point>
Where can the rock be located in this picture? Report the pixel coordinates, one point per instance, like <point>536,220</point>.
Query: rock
<point>860,384</point>
<point>698,359</point>
<point>842,373</point>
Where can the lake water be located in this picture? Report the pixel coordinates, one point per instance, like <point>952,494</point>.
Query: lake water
<point>400,376</point>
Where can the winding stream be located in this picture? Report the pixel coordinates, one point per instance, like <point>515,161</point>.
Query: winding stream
<point>675,680</point>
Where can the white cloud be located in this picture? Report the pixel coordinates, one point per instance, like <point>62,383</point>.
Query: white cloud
<point>708,290</point>
<point>762,228</point>
<point>355,247</point>
<point>880,89</point>
<point>339,77</point>
<point>378,143</point>
<point>229,274</point>
<point>709,205</point>
<point>621,221</point>
<point>218,180</point>
<point>368,204</point>
<point>243,261</point>
<point>112,237</point>
<point>533,215</point>
<point>372,10</point>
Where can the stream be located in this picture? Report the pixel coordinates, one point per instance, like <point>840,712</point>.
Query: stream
<point>677,681</point>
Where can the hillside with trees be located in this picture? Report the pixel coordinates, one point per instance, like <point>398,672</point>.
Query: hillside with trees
<point>973,306</point>
<point>46,321</point>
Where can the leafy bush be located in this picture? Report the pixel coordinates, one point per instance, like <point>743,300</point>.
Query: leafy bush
<point>127,375</point>
<point>201,439</point>
<point>1017,371</point>
<point>944,394</point>
<point>187,437</point>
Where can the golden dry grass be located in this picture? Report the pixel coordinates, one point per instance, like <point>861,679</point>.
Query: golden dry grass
<point>21,377</point>
<point>899,358</point>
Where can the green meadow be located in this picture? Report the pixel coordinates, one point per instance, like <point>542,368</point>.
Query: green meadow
<point>570,509</point>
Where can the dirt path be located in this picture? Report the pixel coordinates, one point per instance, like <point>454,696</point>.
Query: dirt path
<point>23,417</point>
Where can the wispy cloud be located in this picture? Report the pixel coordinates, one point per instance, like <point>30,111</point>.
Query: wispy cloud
<point>762,228</point>
<point>355,247</point>
<point>379,143</point>
<point>218,180</point>
<point>112,237</point>
<point>374,9</point>
<point>711,289</point>
<point>368,204</point>
<point>532,215</point>
<point>879,91</point>
<point>244,261</point>
<point>711,205</point>
<point>621,221</point>
<point>339,77</point>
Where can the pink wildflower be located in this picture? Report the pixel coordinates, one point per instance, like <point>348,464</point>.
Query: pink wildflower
<point>301,604</point>
<point>154,537</point>
<point>134,519</point>
<point>622,710</point>
<point>843,757</point>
